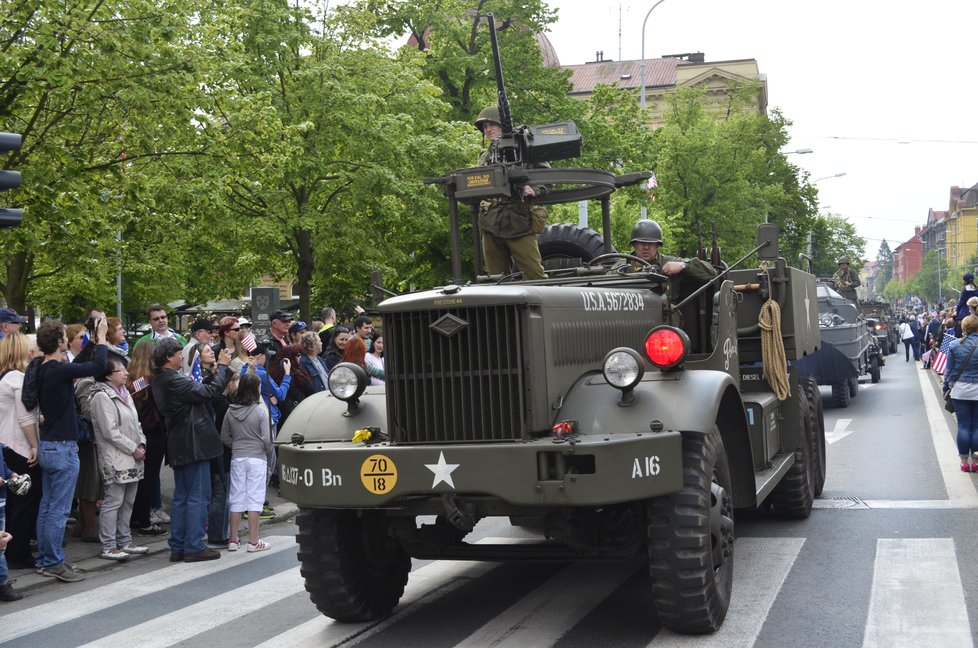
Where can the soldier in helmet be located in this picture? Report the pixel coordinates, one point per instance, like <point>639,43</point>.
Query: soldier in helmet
<point>508,232</point>
<point>646,241</point>
<point>846,280</point>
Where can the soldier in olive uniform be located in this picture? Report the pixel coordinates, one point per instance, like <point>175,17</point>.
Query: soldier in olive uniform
<point>646,241</point>
<point>846,280</point>
<point>507,225</point>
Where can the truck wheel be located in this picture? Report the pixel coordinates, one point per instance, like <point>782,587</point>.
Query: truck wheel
<point>853,386</point>
<point>840,394</point>
<point>354,570</point>
<point>792,498</point>
<point>690,540</point>
<point>570,241</point>
<point>874,369</point>
<point>815,413</point>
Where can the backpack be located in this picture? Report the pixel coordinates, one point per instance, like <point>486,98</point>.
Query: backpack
<point>29,392</point>
<point>84,391</point>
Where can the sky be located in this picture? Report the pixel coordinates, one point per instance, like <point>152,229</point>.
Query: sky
<point>883,91</point>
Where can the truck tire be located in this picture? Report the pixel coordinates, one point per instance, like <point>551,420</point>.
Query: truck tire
<point>853,386</point>
<point>569,241</point>
<point>816,414</point>
<point>690,540</point>
<point>354,571</point>
<point>793,497</point>
<point>874,369</point>
<point>840,394</point>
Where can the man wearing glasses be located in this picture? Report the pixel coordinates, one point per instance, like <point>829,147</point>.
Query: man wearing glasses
<point>160,327</point>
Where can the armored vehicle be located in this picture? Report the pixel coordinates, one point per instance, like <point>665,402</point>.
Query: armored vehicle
<point>848,349</point>
<point>569,406</point>
<point>885,325</point>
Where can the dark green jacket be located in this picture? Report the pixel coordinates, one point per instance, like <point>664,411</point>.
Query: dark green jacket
<point>507,219</point>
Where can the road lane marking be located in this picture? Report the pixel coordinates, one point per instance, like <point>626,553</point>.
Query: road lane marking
<point>76,606</point>
<point>959,485</point>
<point>917,597</point>
<point>544,615</point>
<point>840,432</point>
<point>761,566</point>
<point>185,623</point>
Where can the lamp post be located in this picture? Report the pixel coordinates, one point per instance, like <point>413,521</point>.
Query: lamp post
<point>802,151</point>
<point>642,64</point>
<point>837,175</point>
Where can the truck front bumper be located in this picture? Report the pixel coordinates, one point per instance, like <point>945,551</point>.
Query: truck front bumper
<point>593,470</point>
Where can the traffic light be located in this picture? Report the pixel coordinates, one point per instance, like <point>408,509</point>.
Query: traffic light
<point>9,142</point>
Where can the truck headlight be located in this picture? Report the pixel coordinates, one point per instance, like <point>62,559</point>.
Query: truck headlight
<point>347,381</point>
<point>623,368</point>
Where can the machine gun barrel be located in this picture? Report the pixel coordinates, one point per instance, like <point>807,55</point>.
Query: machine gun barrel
<point>505,114</point>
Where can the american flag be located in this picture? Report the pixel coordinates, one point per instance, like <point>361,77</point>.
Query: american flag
<point>249,342</point>
<point>650,185</point>
<point>940,360</point>
<point>139,384</point>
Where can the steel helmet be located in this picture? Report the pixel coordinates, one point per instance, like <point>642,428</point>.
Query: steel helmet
<point>646,231</point>
<point>843,260</point>
<point>488,114</point>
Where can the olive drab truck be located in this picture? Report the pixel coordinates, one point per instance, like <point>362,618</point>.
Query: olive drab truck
<point>569,406</point>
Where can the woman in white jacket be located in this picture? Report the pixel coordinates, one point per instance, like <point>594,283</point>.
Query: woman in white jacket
<point>121,449</point>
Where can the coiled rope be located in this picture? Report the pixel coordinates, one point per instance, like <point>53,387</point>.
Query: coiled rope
<point>775,361</point>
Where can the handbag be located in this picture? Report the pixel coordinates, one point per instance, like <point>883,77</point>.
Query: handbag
<point>948,403</point>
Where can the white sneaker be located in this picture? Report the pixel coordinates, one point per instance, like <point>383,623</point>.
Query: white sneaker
<point>261,545</point>
<point>114,554</point>
<point>158,516</point>
<point>134,549</point>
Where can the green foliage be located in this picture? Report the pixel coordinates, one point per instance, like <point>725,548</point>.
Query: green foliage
<point>833,237</point>
<point>884,261</point>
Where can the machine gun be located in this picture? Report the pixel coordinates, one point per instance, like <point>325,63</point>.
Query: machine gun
<point>517,149</point>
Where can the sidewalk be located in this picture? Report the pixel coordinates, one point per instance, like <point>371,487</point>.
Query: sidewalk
<point>85,554</point>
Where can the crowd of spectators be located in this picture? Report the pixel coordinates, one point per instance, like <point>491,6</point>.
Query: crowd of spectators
<point>92,421</point>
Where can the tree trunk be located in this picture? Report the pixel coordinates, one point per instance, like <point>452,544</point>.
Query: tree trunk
<point>306,263</point>
<point>15,288</point>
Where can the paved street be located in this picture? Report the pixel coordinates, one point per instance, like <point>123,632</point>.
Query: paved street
<point>886,559</point>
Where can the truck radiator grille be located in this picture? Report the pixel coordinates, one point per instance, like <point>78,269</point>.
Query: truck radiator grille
<point>455,375</point>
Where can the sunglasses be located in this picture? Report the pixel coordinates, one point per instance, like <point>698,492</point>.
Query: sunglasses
<point>235,329</point>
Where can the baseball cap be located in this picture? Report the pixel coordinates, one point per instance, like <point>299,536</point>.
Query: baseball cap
<point>297,326</point>
<point>202,325</point>
<point>243,322</point>
<point>10,316</point>
<point>282,315</point>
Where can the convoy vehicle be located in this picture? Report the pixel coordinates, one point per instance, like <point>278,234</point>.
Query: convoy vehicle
<point>569,406</point>
<point>885,324</point>
<point>848,348</point>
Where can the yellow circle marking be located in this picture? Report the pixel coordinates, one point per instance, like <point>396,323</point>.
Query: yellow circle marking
<point>378,474</point>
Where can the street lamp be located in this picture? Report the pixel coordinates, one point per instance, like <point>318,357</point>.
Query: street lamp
<point>642,66</point>
<point>799,151</point>
<point>837,175</point>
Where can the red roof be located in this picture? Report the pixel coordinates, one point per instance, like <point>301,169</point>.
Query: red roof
<point>626,74</point>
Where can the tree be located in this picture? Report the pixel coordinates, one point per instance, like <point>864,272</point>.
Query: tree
<point>884,261</point>
<point>833,237</point>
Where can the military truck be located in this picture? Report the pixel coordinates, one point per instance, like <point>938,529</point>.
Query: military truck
<point>569,406</point>
<point>848,350</point>
<point>885,323</point>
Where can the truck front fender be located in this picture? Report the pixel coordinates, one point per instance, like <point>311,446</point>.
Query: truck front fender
<point>320,417</point>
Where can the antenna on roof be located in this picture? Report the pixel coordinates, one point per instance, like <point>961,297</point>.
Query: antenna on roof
<point>619,32</point>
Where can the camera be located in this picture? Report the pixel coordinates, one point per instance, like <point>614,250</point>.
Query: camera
<point>91,325</point>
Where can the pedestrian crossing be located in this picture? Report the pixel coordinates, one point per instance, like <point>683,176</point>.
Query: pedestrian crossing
<point>916,598</point>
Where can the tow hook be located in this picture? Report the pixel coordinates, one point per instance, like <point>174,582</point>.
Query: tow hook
<point>458,513</point>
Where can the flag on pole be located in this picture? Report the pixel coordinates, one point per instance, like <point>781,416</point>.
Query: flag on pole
<point>650,185</point>
<point>940,360</point>
<point>139,384</point>
<point>249,342</point>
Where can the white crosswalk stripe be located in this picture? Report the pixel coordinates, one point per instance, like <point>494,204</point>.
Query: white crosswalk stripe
<point>907,572</point>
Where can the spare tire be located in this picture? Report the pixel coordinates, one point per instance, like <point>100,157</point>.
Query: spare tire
<point>568,244</point>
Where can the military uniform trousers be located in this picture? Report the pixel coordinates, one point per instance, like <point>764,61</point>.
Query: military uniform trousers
<point>500,254</point>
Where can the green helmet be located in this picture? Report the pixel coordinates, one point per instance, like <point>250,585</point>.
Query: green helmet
<point>843,260</point>
<point>488,114</point>
<point>646,231</point>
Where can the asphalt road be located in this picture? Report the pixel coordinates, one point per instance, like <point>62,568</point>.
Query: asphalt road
<point>887,558</point>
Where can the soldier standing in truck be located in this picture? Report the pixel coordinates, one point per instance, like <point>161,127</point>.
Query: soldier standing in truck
<point>509,226</point>
<point>846,280</point>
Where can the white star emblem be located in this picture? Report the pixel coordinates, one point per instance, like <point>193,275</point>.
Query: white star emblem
<point>443,471</point>
<point>808,309</point>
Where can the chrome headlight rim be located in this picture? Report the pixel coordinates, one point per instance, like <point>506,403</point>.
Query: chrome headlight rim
<point>610,368</point>
<point>347,381</point>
